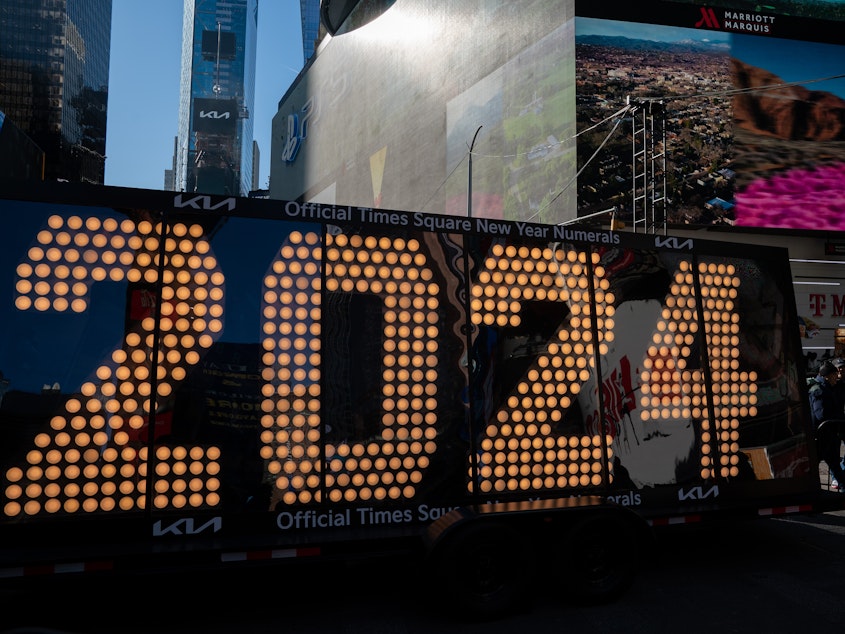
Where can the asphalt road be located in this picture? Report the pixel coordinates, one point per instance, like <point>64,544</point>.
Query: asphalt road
<point>774,575</point>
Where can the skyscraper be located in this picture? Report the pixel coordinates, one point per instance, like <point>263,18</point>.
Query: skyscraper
<point>309,11</point>
<point>54,81</point>
<point>214,148</point>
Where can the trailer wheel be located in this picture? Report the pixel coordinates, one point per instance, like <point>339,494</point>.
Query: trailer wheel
<point>484,570</point>
<point>600,559</point>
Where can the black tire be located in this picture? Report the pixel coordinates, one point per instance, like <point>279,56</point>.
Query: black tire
<point>483,570</point>
<point>600,559</point>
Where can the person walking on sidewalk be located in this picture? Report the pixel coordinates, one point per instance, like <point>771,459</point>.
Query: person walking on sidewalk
<point>839,386</point>
<point>828,410</point>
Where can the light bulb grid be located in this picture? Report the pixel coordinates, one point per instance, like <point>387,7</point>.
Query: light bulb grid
<point>186,477</point>
<point>388,467</point>
<point>86,461</point>
<point>670,391</point>
<point>72,253</point>
<point>519,452</point>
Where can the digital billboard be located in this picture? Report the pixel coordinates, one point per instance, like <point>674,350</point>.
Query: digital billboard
<point>753,112</point>
<point>215,116</point>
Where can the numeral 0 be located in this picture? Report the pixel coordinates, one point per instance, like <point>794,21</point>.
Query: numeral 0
<point>386,468</point>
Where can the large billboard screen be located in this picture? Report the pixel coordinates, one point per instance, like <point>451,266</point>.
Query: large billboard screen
<point>752,112</point>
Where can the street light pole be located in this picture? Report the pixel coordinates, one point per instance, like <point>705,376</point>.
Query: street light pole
<point>469,177</point>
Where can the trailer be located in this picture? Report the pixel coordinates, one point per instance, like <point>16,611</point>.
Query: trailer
<point>194,380</point>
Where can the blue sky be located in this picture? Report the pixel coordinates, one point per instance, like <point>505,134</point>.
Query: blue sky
<point>143,109</point>
<point>795,61</point>
<point>653,32</point>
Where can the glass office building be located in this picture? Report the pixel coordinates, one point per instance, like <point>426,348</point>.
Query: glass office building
<point>309,11</point>
<point>214,152</point>
<point>54,80</point>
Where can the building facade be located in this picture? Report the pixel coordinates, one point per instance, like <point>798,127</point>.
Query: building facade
<point>214,140</point>
<point>20,157</point>
<point>54,77</point>
<point>551,99</point>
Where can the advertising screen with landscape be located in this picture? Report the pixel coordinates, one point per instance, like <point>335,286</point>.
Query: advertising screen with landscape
<point>753,112</point>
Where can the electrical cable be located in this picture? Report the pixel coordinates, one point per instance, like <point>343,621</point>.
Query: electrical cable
<point>583,167</point>
<point>444,181</point>
<point>618,116</point>
<point>553,145</point>
<point>743,91</point>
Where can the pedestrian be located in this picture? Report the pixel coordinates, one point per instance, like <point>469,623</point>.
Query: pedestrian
<point>839,386</point>
<point>828,411</point>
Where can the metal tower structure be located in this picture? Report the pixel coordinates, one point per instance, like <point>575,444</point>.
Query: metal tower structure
<point>648,163</point>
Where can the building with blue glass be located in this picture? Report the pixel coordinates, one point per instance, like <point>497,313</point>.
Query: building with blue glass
<point>309,11</point>
<point>214,147</point>
<point>54,81</point>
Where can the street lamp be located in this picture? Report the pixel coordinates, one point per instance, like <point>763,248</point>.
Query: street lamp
<point>469,176</point>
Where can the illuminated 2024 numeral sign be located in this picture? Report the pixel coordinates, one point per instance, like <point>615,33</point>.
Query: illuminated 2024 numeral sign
<point>93,458</point>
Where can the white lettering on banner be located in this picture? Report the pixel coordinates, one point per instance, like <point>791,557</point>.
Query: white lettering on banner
<point>532,231</point>
<point>748,22</point>
<point>362,516</point>
<point>287,520</point>
<point>581,235</point>
<point>494,228</point>
<point>749,17</point>
<point>628,499</point>
<point>314,211</point>
<point>336,213</point>
<point>442,223</point>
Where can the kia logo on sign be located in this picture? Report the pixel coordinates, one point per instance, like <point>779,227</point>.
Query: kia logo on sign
<point>203,202</point>
<point>213,114</point>
<point>672,243</point>
<point>187,526</point>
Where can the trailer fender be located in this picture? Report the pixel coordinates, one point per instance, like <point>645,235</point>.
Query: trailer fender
<point>599,557</point>
<point>482,569</point>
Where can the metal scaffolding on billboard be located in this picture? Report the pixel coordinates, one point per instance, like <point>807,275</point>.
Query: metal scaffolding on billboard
<point>648,165</point>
